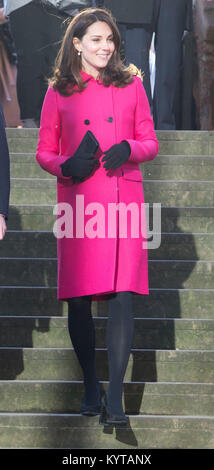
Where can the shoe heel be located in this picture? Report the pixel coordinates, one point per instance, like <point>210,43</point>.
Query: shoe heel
<point>107,418</point>
<point>103,412</point>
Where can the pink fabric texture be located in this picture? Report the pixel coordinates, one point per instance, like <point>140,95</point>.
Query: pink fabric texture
<point>90,262</point>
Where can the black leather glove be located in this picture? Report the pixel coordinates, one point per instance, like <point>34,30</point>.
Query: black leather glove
<point>116,155</point>
<point>79,168</point>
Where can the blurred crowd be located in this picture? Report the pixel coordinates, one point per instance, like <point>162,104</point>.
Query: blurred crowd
<point>156,35</point>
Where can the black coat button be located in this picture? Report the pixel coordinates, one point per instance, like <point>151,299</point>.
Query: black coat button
<point>110,119</point>
<point>87,122</point>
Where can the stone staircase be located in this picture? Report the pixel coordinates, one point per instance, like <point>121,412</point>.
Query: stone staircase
<point>169,383</point>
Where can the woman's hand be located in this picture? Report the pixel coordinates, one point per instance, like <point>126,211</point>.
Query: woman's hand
<point>116,155</point>
<point>79,168</point>
<point>3,227</point>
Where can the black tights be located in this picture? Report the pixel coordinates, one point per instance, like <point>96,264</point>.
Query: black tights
<point>119,338</point>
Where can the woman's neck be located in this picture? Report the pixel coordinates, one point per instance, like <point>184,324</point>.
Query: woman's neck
<point>94,73</point>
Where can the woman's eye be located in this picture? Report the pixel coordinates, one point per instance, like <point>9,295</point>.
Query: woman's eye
<point>97,39</point>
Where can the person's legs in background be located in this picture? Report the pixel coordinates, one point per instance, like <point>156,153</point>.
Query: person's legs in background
<point>169,32</point>
<point>136,42</point>
<point>52,33</point>
<point>36,31</point>
<point>27,67</point>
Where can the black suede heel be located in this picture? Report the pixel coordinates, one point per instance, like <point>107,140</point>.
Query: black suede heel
<point>107,418</point>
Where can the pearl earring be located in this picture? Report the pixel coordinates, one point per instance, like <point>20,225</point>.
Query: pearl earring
<point>79,53</point>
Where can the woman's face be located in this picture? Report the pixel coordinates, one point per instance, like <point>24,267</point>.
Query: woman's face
<point>96,47</point>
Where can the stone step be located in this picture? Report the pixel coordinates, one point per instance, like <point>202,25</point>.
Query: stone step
<point>185,135</point>
<point>182,146</point>
<point>171,193</point>
<point>139,398</point>
<point>173,219</point>
<point>176,143</point>
<point>179,167</point>
<point>179,193</point>
<point>22,133</point>
<point>178,274</point>
<point>55,431</point>
<point>144,365</point>
<point>33,191</point>
<point>164,167</point>
<point>22,144</point>
<point>186,147</point>
<point>185,142</point>
<point>186,219</point>
<point>29,244</point>
<point>24,165</point>
<point>161,135</point>
<point>184,246</point>
<point>29,301</point>
<point>33,244</point>
<point>175,303</point>
<point>161,303</point>
<point>52,332</point>
<point>162,274</point>
<point>35,217</point>
<point>28,272</point>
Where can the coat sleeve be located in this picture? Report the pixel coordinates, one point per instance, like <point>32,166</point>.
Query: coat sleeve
<point>48,148</point>
<point>145,145</point>
<point>4,169</point>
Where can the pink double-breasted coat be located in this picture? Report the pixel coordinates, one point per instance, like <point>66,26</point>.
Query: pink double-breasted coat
<point>101,250</point>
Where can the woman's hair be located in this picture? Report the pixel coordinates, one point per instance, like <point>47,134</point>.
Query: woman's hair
<point>68,62</point>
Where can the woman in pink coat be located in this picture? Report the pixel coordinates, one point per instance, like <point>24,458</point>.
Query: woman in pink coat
<point>101,239</point>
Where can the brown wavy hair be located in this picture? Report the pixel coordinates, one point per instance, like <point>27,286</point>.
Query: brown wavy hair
<point>68,63</point>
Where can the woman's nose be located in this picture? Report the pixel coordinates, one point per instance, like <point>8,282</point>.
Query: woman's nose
<point>105,46</point>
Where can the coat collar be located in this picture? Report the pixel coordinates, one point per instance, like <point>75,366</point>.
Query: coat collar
<point>86,77</point>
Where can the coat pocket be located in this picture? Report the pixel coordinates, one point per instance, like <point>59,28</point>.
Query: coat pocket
<point>133,174</point>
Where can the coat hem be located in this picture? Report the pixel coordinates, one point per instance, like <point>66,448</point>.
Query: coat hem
<point>104,295</point>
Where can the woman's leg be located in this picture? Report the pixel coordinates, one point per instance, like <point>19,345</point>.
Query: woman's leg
<point>82,334</point>
<point>119,339</point>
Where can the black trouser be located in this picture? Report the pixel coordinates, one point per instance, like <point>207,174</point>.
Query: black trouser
<point>168,24</point>
<point>4,168</point>
<point>37,31</point>
<point>119,336</point>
